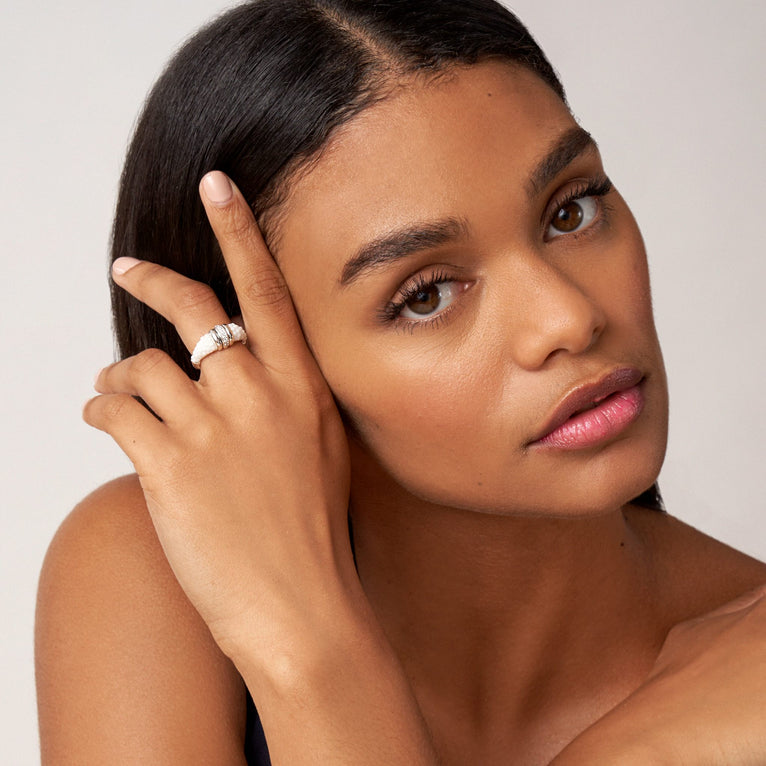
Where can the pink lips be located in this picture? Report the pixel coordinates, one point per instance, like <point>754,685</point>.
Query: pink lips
<point>595,412</point>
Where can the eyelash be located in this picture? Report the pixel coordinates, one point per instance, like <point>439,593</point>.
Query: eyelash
<point>421,282</point>
<point>390,313</point>
<point>594,187</point>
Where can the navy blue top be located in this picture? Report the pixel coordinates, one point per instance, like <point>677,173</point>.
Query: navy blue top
<point>256,750</point>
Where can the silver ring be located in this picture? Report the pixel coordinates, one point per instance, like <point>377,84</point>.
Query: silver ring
<point>220,337</point>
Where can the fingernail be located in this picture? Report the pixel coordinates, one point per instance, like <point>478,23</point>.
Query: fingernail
<point>121,265</point>
<point>217,187</point>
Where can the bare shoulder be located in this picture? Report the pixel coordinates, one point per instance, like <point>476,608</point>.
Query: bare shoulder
<point>126,669</point>
<point>696,573</point>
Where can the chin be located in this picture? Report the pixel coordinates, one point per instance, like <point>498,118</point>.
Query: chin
<point>582,487</point>
<point>606,485</point>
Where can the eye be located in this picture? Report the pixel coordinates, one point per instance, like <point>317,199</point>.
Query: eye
<point>425,300</point>
<point>573,216</point>
<point>428,299</point>
<point>578,208</point>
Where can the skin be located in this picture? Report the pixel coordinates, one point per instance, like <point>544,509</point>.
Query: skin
<point>508,596</point>
<point>443,414</point>
<point>539,316</point>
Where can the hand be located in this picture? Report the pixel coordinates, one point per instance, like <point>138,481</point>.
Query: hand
<point>704,702</point>
<point>245,473</point>
<point>246,478</point>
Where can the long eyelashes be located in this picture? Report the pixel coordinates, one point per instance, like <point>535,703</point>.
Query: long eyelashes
<point>570,213</point>
<point>592,190</point>
<point>420,285</point>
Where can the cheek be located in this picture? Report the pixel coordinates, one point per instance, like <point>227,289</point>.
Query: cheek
<point>632,317</point>
<point>630,286</point>
<point>408,398</point>
<point>426,418</point>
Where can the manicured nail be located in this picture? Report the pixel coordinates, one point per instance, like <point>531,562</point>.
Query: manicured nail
<point>121,265</point>
<point>217,188</point>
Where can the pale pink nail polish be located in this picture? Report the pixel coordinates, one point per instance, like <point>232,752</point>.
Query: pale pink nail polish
<point>217,188</point>
<point>121,265</point>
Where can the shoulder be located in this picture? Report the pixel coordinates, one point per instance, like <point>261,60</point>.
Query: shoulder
<point>110,522</point>
<point>695,572</point>
<point>106,555</point>
<point>126,669</point>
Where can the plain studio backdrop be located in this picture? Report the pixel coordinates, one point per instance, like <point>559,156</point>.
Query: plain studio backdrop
<point>673,93</point>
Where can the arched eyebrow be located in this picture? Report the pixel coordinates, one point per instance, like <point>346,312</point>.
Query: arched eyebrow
<point>401,243</point>
<point>570,145</point>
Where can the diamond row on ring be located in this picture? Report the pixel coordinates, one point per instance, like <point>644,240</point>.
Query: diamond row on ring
<point>220,337</point>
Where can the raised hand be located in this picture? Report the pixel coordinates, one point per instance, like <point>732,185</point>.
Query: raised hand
<point>246,477</point>
<point>245,472</point>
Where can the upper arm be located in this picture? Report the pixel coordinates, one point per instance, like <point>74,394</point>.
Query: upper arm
<point>127,671</point>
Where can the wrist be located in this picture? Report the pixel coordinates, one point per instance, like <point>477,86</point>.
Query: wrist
<point>311,651</point>
<point>341,684</point>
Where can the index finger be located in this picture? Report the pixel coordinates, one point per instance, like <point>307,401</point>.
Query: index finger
<point>264,299</point>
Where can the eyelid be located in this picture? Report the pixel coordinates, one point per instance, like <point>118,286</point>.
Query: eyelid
<point>418,280</point>
<point>390,313</point>
<point>597,186</point>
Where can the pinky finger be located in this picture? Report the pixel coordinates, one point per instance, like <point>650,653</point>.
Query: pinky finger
<point>127,421</point>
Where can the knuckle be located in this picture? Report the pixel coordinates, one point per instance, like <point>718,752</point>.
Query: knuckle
<point>240,379</point>
<point>106,409</point>
<point>268,291</point>
<point>195,296</point>
<point>205,437</point>
<point>151,361</point>
<point>147,361</point>
<point>238,225</point>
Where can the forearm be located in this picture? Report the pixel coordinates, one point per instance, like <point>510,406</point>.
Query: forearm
<point>337,696</point>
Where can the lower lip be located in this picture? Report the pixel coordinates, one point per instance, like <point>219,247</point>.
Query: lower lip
<point>606,420</point>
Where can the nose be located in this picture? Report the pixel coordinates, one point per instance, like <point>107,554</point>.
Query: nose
<point>556,315</point>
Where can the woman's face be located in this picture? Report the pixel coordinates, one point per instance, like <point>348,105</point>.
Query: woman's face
<point>453,294</point>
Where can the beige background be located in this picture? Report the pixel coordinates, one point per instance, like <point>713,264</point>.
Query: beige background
<point>672,92</point>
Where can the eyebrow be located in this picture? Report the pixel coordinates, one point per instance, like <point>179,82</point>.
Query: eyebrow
<point>402,243</point>
<point>567,149</point>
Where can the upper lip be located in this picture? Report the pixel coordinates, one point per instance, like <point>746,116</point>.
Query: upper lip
<point>587,394</point>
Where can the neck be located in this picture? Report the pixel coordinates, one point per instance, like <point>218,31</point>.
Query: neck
<point>489,611</point>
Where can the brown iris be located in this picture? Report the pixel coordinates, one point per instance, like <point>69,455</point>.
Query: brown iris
<point>425,301</point>
<point>568,217</point>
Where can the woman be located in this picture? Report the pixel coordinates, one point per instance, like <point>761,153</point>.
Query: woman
<point>452,356</point>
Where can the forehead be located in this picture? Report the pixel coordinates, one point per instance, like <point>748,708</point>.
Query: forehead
<point>449,147</point>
